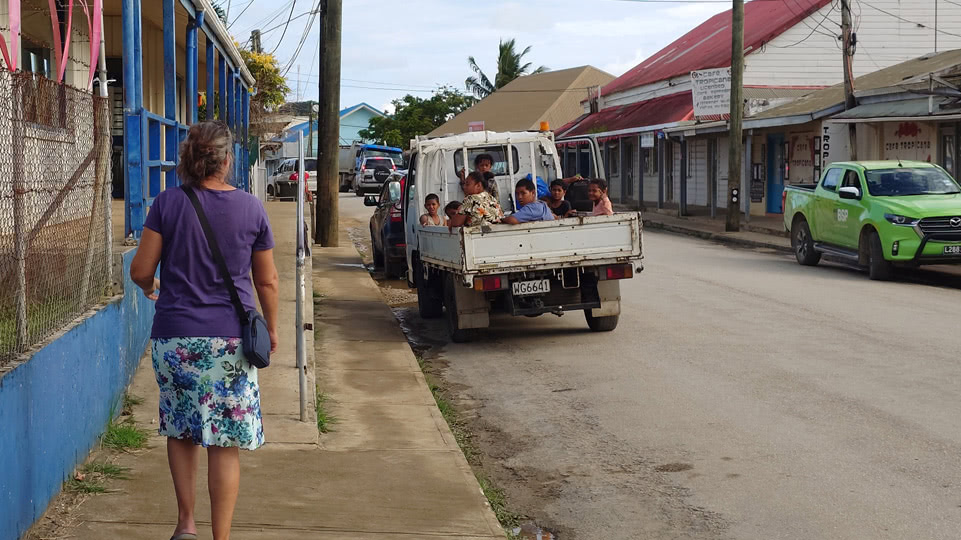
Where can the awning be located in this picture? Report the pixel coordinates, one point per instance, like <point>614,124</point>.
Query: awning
<point>652,112</point>
<point>900,111</point>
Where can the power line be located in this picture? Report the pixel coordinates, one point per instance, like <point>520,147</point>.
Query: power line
<point>281,40</point>
<point>811,33</point>
<point>896,16</point>
<point>241,14</point>
<point>303,39</point>
<point>268,19</point>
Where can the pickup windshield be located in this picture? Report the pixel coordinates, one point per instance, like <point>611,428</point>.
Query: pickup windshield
<point>901,182</point>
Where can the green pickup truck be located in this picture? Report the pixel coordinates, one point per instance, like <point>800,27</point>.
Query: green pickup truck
<point>877,214</point>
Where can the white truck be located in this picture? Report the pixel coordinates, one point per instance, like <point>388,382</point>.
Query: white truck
<point>530,269</point>
<point>350,158</point>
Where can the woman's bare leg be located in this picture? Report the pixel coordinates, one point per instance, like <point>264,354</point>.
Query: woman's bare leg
<point>223,480</point>
<point>183,455</point>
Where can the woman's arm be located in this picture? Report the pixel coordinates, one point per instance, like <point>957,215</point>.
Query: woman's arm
<point>143,268</point>
<point>267,284</point>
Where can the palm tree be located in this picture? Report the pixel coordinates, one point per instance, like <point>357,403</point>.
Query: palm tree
<point>508,68</point>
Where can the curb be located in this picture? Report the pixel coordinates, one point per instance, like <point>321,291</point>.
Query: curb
<point>723,238</point>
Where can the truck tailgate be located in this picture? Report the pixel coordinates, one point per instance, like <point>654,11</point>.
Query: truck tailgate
<point>545,244</point>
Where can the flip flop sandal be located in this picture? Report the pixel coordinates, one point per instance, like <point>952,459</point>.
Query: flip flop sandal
<point>184,536</point>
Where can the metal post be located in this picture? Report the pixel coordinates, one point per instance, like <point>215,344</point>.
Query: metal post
<point>682,203</point>
<point>660,171</point>
<point>211,78</point>
<point>193,62</point>
<point>301,344</point>
<point>108,215</point>
<point>20,227</point>
<point>132,108</point>
<point>171,136</point>
<point>733,222</point>
<point>222,86</point>
<point>712,173</point>
<point>749,175</point>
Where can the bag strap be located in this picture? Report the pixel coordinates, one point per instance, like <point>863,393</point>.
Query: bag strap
<point>218,256</point>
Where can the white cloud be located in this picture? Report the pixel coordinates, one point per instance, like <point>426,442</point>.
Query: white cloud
<point>425,43</point>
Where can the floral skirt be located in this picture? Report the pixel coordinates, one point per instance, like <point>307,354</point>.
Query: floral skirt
<point>208,392</point>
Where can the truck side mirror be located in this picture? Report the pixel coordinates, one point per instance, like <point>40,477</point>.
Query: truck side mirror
<point>370,200</point>
<point>850,193</point>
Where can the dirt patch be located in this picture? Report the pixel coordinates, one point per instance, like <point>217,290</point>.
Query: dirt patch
<point>674,467</point>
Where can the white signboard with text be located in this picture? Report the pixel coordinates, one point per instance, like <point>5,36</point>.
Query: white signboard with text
<point>711,89</point>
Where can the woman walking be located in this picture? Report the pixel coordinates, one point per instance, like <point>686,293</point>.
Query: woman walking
<point>209,396</point>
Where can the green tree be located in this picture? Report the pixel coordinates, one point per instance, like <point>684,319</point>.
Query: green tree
<point>509,67</point>
<point>416,116</point>
<point>271,86</point>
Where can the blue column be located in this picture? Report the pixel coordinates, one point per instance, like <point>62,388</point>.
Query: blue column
<point>228,110</point>
<point>192,67</point>
<point>238,99</point>
<point>246,131</point>
<point>132,108</point>
<point>171,137</point>
<point>222,85</point>
<point>211,79</point>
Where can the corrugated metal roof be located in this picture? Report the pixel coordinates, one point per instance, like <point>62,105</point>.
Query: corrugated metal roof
<point>892,76</point>
<point>525,102</point>
<point>898,109</point>
<point>652,112</point>
<point>776,92</point>
<point>709,45</point>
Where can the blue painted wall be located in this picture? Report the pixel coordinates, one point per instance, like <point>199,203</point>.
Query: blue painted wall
<point>54,406</point>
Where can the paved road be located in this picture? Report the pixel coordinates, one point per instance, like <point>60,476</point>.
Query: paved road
<point>742,396</point>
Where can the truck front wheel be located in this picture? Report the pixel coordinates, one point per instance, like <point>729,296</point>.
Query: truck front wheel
<point>601,324</point>
<point>878,268</point>
<point>803,244</point>
<point>429,301</point>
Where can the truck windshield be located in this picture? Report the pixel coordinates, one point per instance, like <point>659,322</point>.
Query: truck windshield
<point>901,182</point>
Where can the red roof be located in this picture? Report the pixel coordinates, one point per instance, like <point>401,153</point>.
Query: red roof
<point>653,112</point>
<point>709,45</point>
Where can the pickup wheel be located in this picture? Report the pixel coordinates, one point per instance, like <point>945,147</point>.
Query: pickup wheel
<point>803,244</point>
<point>344,186</point>
<point>457,335</point>
<point>601,324</point>
<point>392,269</point>
<point>429,301</point>
<point>878,268</point>
<point>359,192</point>
<point>375,253</point>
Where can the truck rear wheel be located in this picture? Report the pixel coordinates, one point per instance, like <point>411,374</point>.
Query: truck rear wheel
<point>878,268</point>
<point>344,186</point>
<point>457,335</point>
<point>429,302</point>
<point>601,324</point>
<point>803,244</point>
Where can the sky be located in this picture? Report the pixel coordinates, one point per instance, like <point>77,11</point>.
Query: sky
<point>394,48</point>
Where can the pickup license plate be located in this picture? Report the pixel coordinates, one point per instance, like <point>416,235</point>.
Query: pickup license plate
<point>952,250</point>
<point>526,288</point>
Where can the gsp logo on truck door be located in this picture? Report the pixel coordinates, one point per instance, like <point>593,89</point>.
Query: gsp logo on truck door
<point>842,215</point>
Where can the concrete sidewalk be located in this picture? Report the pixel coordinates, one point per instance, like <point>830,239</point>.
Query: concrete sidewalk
<point>390,470</point>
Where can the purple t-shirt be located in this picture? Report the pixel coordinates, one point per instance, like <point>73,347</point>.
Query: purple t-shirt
<point>193,300</point>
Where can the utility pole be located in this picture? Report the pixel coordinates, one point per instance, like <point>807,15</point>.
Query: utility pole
<point>847,50</point>
<point>255,41</point>
<point>328,132</point>
<point>734,172</point>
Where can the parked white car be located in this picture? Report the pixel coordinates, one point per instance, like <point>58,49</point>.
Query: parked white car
<point>282,184</point>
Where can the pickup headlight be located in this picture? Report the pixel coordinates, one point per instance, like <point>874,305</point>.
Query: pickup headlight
<point>901,220</point>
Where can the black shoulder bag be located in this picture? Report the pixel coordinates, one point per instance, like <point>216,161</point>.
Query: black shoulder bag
<point>256,338</point>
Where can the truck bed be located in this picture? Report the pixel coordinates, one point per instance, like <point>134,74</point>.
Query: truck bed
<point>494,249</point>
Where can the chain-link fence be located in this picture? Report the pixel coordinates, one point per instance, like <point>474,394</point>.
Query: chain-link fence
<point>54,212</point>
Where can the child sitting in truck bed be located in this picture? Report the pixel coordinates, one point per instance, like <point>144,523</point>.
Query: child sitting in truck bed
<point>479,206</point>
<point>525,193</point>
<point>431,204</point>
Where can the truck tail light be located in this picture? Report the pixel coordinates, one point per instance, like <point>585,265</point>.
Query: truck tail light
<point>489,283</point>
<point>620,271</point>
<point>293,176</point>
<point>395,214</point>
<point>363,168</point>
<point>306,176</point>
<point>783,200</point>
